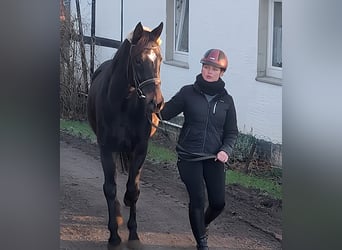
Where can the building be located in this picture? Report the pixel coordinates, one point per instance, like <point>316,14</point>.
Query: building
<point>250,32</point>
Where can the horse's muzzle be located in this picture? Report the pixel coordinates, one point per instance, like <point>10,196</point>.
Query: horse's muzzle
<point>160,106</point>
<point>155,107</point>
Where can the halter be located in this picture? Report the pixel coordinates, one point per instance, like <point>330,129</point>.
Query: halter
<point>140,85</point>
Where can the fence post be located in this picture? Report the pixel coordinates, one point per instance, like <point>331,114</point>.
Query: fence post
<point>83,57</point>
<point>250,157</point>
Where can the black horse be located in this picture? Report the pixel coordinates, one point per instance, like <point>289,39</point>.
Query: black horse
<point>124,96</point>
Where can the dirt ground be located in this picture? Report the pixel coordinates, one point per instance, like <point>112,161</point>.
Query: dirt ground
<point>251,220</point>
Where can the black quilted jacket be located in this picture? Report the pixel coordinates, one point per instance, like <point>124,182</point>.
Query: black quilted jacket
<point>208,126</point>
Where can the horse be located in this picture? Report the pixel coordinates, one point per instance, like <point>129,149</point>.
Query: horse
<point>123,99</point>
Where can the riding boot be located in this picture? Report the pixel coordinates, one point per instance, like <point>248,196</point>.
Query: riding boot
<point>202,243</point>
<point>196,216</point>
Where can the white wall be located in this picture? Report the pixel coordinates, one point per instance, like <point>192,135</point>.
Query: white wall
<point>226,24</point>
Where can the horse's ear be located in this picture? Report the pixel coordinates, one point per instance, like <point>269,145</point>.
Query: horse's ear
<point>137,33</point>
<point>157,31</point>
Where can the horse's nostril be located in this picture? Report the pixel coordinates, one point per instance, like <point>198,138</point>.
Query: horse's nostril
<point>152,104</point>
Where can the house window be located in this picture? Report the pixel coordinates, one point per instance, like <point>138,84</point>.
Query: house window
<point>274,66</point>
<point>270,41</point>
<point>181,28</point>
<point>177,33</point>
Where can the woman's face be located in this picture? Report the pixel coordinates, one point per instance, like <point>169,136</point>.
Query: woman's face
<point>211,73</point>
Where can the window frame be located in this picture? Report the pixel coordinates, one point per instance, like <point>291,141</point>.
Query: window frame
<point>271,70</point>
<point>265,71</point>
<point>172,55</point>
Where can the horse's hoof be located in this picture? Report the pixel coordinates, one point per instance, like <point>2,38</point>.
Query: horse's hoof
<point>119,220</point>
<point>110,246</point>
<point>134,244</point>
<point>114,244</point>
<point>133,236</point>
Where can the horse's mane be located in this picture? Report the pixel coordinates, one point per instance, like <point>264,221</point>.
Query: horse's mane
<point>122,50</point>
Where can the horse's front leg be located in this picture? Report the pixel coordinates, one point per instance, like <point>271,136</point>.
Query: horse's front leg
<point>110,189</point>
<point>133,192</point>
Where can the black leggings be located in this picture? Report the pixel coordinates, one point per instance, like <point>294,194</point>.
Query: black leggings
<point>193,174</point>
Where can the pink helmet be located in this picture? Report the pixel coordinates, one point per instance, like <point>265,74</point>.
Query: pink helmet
<point>215,57</point>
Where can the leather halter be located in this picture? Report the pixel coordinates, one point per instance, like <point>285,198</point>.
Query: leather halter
<point>140,85</point>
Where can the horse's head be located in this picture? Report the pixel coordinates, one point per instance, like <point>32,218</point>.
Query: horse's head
<point>146,59</point>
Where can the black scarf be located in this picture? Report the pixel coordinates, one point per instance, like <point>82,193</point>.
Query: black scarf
<point>209,88</point>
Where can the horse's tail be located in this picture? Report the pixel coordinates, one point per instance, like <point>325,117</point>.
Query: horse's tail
<point>123,162</point>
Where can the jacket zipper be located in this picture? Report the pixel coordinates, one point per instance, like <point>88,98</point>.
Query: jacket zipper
<point>214,109</point>
<point>206,127</point>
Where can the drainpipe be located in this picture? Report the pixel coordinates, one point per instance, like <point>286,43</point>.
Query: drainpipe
<point>121,20</point>
<point>92,44</point>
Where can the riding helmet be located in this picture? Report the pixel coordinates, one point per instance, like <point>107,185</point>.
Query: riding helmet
<point>215,57</point>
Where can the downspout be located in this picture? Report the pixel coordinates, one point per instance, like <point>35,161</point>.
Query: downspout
<point>121,21</point>
<point>92,35</point>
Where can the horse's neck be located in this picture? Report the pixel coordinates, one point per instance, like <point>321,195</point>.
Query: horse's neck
<point>121,59</point>
<point>118,82</point>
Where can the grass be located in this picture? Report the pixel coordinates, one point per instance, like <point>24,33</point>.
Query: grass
<point>160,154</point>
<point>83,130</point>
<point>77,128</point>
<point>268,186</point>
<point>164,155</point>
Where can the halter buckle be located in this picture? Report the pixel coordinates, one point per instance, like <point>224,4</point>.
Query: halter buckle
<point>140,93</point>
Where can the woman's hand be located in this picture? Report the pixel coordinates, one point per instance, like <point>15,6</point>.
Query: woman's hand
<point>222,156</point>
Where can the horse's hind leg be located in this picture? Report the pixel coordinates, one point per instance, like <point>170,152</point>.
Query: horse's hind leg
<point>110,189</point>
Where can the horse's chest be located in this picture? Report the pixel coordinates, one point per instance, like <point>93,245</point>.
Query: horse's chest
<point>125,136</point>
<point>124,131</point>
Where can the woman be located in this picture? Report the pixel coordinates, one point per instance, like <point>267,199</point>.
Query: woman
<point>206,140</point>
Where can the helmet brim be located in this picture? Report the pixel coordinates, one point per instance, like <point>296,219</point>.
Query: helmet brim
<point>204,62</point>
